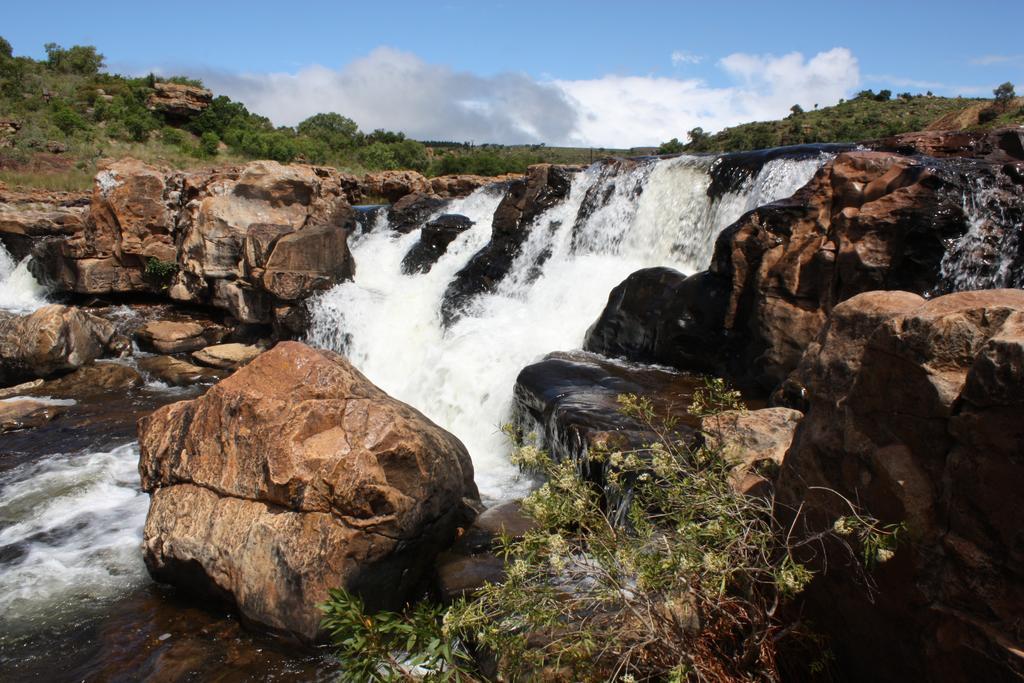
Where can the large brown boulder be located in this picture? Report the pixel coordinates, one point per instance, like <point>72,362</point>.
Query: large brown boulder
<point>53,340</point>
<point>915,413</point>
<point>393,185</point>
<point>294,476</point>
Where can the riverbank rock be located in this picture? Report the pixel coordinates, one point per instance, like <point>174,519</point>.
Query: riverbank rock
<point>915,414</point>
<point>252,240</point>
<point>754,443</point>
<point>177,372</point>
<point>394,185</point>
<point>227,356</point>
<point>325,482</point>
<point>26,414</point>
<point>52,340</point>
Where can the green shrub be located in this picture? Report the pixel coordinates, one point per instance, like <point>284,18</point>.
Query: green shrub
<point>160,272</point>
<point>78,59</point>
<point>209,144</point>
<point>67,119</point>
<point>684,580</point>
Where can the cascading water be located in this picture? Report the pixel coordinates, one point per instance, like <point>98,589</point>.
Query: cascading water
<point>990,254</point>
<point>614,222</point>
<point>19,291</point>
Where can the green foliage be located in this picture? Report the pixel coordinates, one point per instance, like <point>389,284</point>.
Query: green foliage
<point>673,146</point>
<point>392,647</point>
<point>209,144</point>
<point>687,586</point>
<point>78,59</point>
<point>6,51</point>
<point>796,110</point>
<point>337,132</point>
<point>66,118</point>
<point>1004,93</point>
<point>160,272</point>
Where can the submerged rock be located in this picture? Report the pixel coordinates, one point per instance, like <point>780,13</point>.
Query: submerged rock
<point>434,240</point>
<point>26,414</point>
<point>324,482</point>
<point>177,372</point>
<point>914,414</point>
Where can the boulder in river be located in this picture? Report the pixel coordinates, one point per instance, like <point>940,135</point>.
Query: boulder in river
<point>53,340</point>
<point>325,482</point>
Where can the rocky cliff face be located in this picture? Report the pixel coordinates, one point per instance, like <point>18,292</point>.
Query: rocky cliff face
<point>294,476</point>
<point>914,413</point>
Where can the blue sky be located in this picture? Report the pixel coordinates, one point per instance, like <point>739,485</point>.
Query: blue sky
<point>601,73</point>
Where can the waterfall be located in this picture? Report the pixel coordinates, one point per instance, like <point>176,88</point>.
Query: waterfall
<point>990,254</point>
<point>619,217</point>
<point>19,291</point>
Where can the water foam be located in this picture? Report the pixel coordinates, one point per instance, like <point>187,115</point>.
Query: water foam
<point>19,291</point>
<point>70,531</point>
<point>389,324</point>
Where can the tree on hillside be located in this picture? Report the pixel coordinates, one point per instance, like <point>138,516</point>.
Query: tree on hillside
<point>673,146</point>
<point>336,131</point>
<point>1004,94</point>
<point>5,48</point>
<point>77,59</point>
<point>796,109</point>
<point>884,95</point>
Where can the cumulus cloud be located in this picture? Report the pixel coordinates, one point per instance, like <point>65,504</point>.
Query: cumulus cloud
<point>399,91</point>
<point>680,57</point>
<point>638,111</point>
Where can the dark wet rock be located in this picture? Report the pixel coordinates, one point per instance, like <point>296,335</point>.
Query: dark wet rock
<point>412,211</point>
<point>326,482</point>
<point>544,186</point>
<point>659,315</point>
<point>16,414</point>
<point>730,172</point>
<point>177,372</point>
<point>1001,146</point>
<point>914,413</point>
<point>434,240</point>
<point>472,560</point>
<point>571,401</point>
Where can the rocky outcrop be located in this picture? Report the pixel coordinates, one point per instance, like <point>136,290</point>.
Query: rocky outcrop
<point>412,211</point>
<point>53,340</point>
<point>434,240</point>
<point>28,216</point>
<point>178,101</point>
<point>251,240</point>
<point>1002,146</point>
<point>324,482</point>
<point>448,186</point>
<point>866,221</point>
<point>169,336</point>
<point>914,413</point>
<point>525,200</point>
<point>394,185</point>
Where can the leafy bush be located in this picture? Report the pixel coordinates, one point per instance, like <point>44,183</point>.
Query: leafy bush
<point>336,131</point>
<point>209,144</point>
<point>686,584</point>
<point>66,118</point>
<point>78,59</point>
<point>160,272</point>
<point>6,51</point>
<point>673,146</point>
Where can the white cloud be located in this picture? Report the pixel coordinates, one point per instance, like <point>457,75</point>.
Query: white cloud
<point>680,57</point>
<point>637,111</point>
<point>399,91</point>
<point>989,60</point>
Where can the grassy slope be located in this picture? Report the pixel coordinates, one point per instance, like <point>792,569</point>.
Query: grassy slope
<point>860,119</point>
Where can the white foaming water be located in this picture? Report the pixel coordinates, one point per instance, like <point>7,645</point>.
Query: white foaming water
<point>389,324</point>
<point>984,257</point>
<point>72,525</point>
<point>19,291</point>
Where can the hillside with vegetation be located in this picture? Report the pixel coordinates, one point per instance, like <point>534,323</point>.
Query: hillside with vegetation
<point>867,116</point>
<point>61,114</point>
